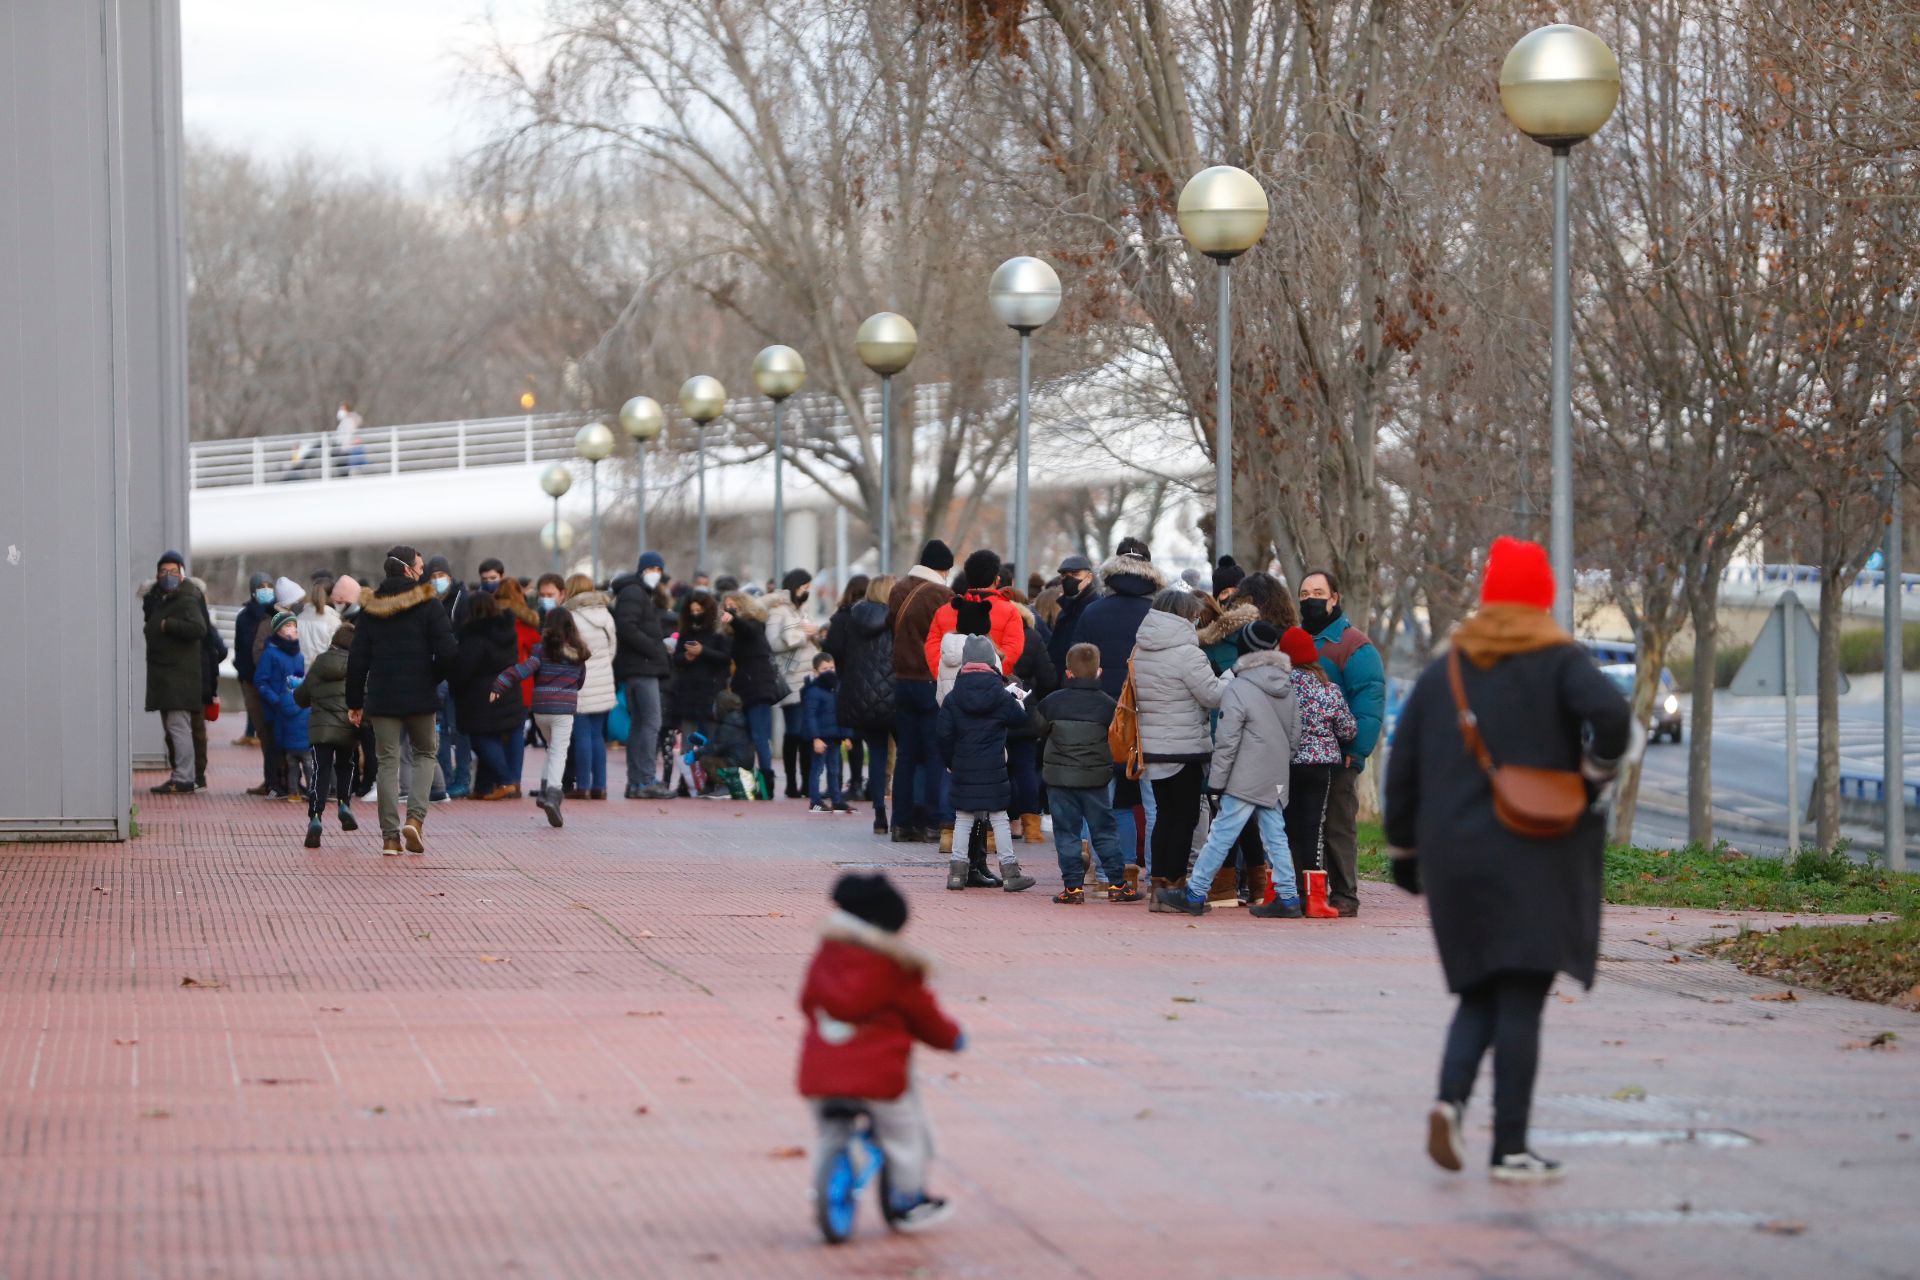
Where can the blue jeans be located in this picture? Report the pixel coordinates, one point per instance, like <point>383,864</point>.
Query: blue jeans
<point>643,739</point>
<point>828,763</point>
<point>760,727</point>
<point>456,755</point>
<point>1123,821</point>
<point>1075,808</point>
<point>1233,816</point>
<point>500,755</point>
<point>919,775</point>
<point>590,751</point>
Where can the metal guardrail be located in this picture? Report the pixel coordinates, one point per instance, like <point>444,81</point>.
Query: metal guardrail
<point>1791,575</point>
<point>304,457</point>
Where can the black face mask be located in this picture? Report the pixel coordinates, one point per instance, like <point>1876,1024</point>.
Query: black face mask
<point>1069,588</point>
<point>1315,614</point>
<point>800,598</point>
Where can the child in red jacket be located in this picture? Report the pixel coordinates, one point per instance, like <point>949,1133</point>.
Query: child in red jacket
<point>866,1002</point>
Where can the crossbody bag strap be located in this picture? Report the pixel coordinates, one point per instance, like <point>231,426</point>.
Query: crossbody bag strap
<point>1469,724</point>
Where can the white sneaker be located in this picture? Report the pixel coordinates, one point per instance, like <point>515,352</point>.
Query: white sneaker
<point>928,1213</point>
<point>1443,1136</point>
<point>1526,1167</point>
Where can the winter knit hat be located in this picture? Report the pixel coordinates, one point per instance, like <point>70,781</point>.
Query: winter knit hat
<point>651,560</point>
<point>437,564</point>
<point>280,620</point>
<point>170,557</point>
<point>1135,548</point>
<point>257,580</point>
<point>1259,636</point>
<point>795,579</point>
<point>872,899</point>
<point>1227,575</point>
<point>1298,645</point>
<point>1517,573</point>
<point>979,651</point>
<point>937,556</point>
<point>983,570</point>
<point>288,592</point>
<point>346,591</point>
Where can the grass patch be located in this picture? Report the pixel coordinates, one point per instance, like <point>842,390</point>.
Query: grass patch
<point>1860,655</point>
<point>1720,879</point>
<point>1879,961</point>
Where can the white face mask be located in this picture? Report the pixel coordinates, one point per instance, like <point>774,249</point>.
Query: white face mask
<point>651,578</point>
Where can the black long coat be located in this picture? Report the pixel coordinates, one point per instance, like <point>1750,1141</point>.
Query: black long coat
<point>1501,901</point>
<point>401,652</point>
<point>176,626</point>
<point>488,646</point>
<point>972,736</point>
<point>698,681</point>
<point>1036,671</point>
<point>754,677</point>
<point>865,659</point>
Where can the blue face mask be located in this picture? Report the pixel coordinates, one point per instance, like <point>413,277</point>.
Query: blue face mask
<point>548,604</point>
<point>440,585</point>
<point>264,595</point>
<point>489,587</point>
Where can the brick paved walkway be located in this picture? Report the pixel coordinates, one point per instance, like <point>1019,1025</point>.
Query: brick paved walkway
<point>569,1054</point>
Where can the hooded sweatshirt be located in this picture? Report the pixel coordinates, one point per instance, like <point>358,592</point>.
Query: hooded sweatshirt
<point>1259,729</point>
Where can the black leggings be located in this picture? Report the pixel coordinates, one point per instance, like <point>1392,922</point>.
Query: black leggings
<point>1309,789</point>
<point>331,765</point>
<point>1176,813</point>
<point>1502,1011</point>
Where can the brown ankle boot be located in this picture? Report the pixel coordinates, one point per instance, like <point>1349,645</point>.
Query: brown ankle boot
<point>1155,885</point>
<point>1030,828</point>
<point>946,841</point>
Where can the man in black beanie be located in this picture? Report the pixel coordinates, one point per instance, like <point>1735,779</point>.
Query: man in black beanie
<point>919,778</point>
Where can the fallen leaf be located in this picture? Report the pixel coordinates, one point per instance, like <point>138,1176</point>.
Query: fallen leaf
<point>775,915</point>
<point>1782,1227</point>
<point>440,894</point>
<point>211,984</point>
<point>1673,959</point>
<point>485,959</point>
<point>660,808</point>
<point>101,889</point>
<point>1564,998</point>
<point>130,1040</point>
<point>376,1111</point>
<point>158,1113</point>
<point>641,1111</point>
<point>1143,1113</point>
<point>461,1102</point>
<point>1629,1093</point>
<point>1885,1040</point>
<point>274,1080</point>
<point>1171,1017</point>
<point>646,1013</point>
<point>683,1079</point>
<point>1613,1042</point>
<point>787,1153</point>
<point>331,1008</point>
<point>1785,997</point>
<point>1186,999</point>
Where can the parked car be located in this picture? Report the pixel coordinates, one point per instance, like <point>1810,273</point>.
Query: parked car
<point>1666,702</point>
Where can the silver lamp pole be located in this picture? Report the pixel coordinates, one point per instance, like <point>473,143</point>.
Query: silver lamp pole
<point>641,419</point>
<point>1893,772</point>
<point>778,372</point>
<point>1024,294</point>
<point>1558,86</point>
<point>594,442</point>
<point>702,399</point>
<point>555,481</point>
<point>1223,213</point>
<point>886,344</point>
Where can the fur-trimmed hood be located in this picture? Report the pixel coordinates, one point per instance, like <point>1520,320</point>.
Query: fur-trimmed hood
<point>1262,658</point>
<point>382,605</point>
<point>1131,567</point>
<point>589,600</point>
<point>841,926</point>
<point>1236,617</point>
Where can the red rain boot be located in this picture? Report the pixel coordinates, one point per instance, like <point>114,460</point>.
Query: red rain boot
<point>1261,891</point>
<point>1317,908</point>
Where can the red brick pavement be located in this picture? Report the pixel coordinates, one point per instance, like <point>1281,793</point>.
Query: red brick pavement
<point>569,1053</point>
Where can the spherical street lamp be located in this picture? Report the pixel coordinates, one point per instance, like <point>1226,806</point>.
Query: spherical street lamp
<point>1558,86</point>
<point>778,372</point>
<point>642,420</point>
<point>1223,213</point>
<point>556,536</point>
<point>702,399</point>
<point>1024,294</point>
<point>555,481</point>
<point>886,344</point>
<point>594,442</point>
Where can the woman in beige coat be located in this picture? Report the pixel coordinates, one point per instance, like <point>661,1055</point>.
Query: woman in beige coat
<point>592,612</point>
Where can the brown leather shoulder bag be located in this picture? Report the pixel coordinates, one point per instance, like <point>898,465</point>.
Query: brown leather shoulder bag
<point>1537,803</point>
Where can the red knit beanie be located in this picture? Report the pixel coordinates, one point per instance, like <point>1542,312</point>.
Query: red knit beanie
<point>1517,573</point>
<point>1299,647</point>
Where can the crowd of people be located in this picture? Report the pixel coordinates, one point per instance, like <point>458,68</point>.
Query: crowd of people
<point>962,708</point>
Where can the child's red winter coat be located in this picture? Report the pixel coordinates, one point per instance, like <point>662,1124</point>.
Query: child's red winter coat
<point>866,1002</point>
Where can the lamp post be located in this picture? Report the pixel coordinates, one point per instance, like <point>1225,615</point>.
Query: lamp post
<point>557,536</point>
<point>779,372</point>
<point>886,344</point>
<point>594,442</point>
<point>1558,85</point>
<point>641,419</point>
<point>1223,213</point>
<point>702,399</point>
<point>556,480</point>
<point>1024,294</point>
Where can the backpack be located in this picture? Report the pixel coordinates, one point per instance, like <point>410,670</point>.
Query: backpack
<point>1123,735</point>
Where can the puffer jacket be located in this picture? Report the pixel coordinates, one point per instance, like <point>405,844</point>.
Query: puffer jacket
<point>488,646</point>
<point>1176,688</point>
<point>1035,672</point>
<point>792,647</point>
<point>972,735</point>
<point>1259,727</point>
<point>176,625</point>
<point>277,674</point>
<point>324,694</point>
<point>866,1001</point>
<point>593,614</point>
<point>866,669</point>
<point>1326,722</point>
<point>317,625</point>
<point>755,678</point>
<point>697,681</point>
<point>1112,622</point>
<point>978,612</point>
<point>1073,723</point>
<point>642,620</point>
<point>820,708</point>
<point>402,650</point>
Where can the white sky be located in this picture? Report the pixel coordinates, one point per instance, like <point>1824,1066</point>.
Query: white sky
<point>374,83</point>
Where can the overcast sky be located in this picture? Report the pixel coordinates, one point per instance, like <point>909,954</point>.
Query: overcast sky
<point>372,82</point>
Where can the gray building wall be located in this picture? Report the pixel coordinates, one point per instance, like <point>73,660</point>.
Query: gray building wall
<point>92,427</point>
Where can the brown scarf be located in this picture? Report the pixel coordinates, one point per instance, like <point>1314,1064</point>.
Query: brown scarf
<point>1503,630</point>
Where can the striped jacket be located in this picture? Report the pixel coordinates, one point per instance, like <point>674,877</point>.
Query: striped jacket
<point>556,685</point>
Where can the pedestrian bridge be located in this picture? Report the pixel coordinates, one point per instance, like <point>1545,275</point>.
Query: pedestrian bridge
<point>428,481</point>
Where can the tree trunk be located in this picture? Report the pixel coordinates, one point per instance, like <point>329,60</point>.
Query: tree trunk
<point>1826,767</point>
<point>1706,644</point>
<point>1646,690</point>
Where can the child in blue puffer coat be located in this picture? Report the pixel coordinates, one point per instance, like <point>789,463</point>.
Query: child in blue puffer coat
<point>277,674</point>
<point>820,723</point>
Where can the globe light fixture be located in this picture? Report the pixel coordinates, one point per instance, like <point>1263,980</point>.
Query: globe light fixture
<point>1024,294</point>
<point>702,399</point>
<point>642,420</point>
<point>778,372</point>
<point>554,482</point>
<point>594,442</point>
<point>886,343</point>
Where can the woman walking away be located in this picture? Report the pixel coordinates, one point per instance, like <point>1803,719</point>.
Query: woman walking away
<point>593,614</point>
<point>334,746</point>
<point>755,678</point>
<point>1176,689</point>
<point>489,646</point>
<point>972,737</point>
<point>1326,727</point>
<point>1509,910</point>
<point>835,641</point>
<point>557,669</point>
<point>867,705</point>
<point>276,674</point>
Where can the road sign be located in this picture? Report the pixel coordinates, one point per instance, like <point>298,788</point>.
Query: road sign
<point>1764,673</point>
